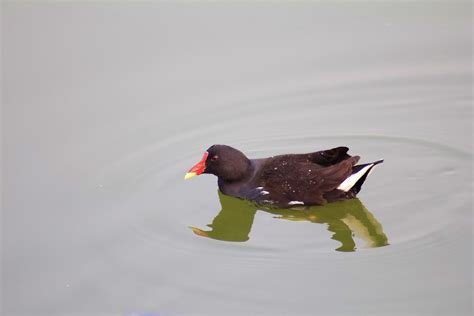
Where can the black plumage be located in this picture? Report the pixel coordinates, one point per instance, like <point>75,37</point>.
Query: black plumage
<point>287,180</point>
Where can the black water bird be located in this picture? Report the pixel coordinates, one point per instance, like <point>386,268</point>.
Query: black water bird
<point>285,180</point>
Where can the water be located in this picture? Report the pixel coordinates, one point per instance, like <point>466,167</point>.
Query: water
<point>107,105</point>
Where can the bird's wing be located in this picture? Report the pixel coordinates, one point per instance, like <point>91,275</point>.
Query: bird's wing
<point>306,181</point>
<point>329,157</point>
<point>324,157</point>
<point>333,175</point>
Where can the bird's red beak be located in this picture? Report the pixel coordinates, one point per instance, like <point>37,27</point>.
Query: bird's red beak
<point>198,168</point>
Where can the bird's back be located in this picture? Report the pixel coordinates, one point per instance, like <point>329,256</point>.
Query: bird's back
<point>295,179</point>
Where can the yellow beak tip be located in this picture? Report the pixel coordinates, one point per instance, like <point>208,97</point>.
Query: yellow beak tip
<point>189,175</point>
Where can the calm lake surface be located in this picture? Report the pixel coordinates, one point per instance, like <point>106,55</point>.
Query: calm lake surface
<point>107,105</point>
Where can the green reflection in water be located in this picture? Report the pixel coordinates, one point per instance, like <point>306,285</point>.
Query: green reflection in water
<point>344,219</point>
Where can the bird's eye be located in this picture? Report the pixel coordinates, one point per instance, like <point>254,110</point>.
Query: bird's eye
<point>214,158</point>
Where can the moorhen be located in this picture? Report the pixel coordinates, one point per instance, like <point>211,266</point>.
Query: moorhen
<point>285,180</point>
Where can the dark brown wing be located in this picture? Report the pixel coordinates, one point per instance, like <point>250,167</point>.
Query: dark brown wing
<point>291,180</point>
<point>329,157</point>
<point>323,157</point>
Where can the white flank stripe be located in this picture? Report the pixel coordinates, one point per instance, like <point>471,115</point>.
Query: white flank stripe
<point>295,203</point>
<point>347,184</point>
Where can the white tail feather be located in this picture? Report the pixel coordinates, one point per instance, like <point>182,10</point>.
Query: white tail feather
<point>347,184</point>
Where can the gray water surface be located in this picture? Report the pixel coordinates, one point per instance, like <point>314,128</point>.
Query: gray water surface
<point>106,106</point>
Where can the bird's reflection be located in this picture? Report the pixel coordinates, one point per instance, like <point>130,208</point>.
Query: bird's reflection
<point>345,219</point>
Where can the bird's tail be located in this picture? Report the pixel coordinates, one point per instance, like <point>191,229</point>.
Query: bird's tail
<point>359,173</point>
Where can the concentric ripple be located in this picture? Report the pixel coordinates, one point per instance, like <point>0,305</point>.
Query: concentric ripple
<point>406,195</point>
